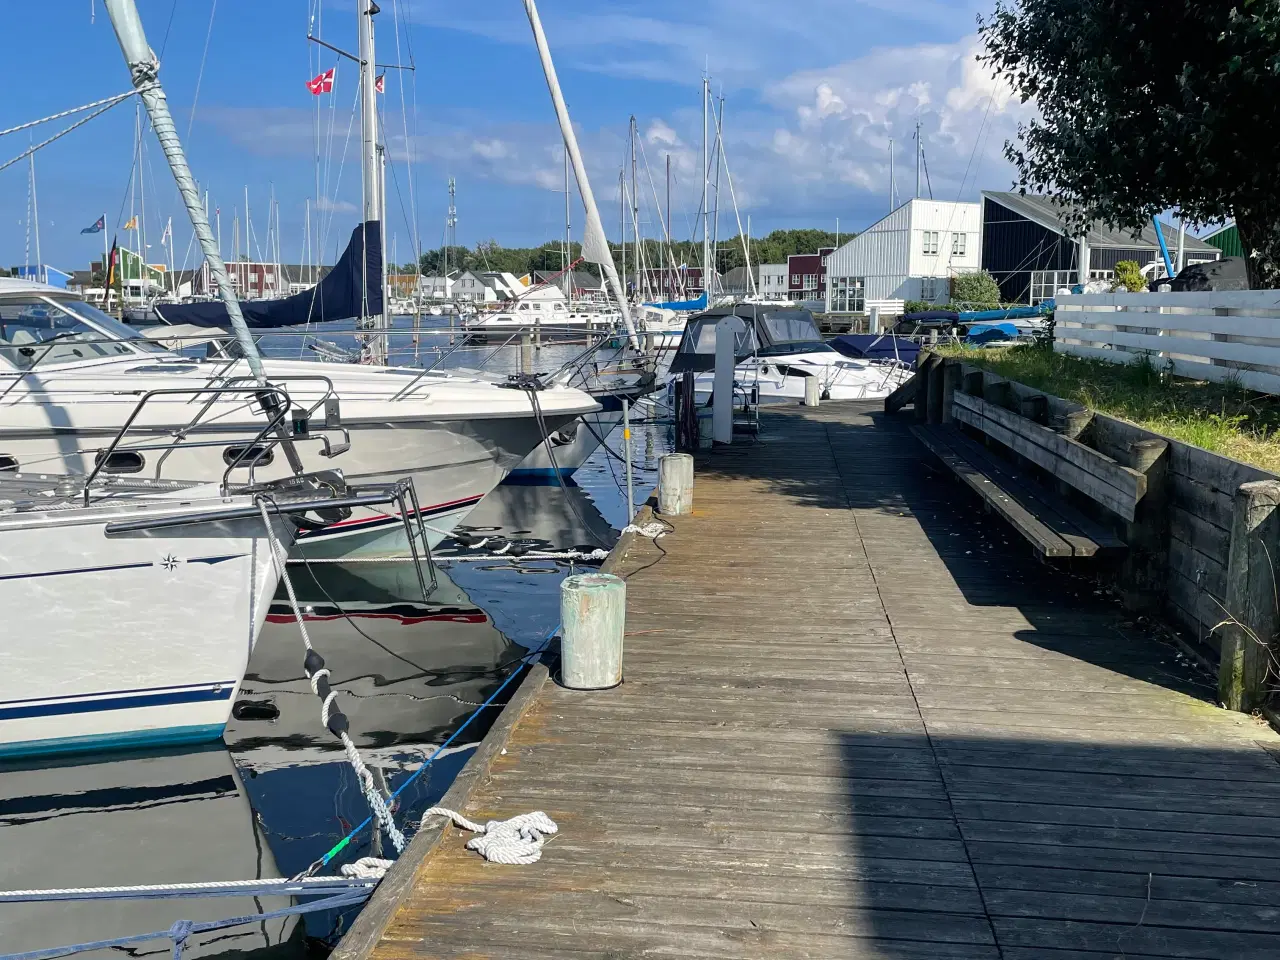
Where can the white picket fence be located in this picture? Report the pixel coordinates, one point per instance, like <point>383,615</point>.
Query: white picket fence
<point>1205,336</point>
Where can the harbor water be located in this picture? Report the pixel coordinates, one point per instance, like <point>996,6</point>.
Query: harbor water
<point>410,672</point>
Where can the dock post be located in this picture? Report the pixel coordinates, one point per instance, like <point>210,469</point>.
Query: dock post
<point>593,608</point>
<point>952,379</point>
<point>1251,618</point>
<point>935,403</point>
<point>1144,571</point>
<point>675,484</point>
<point>722,389</point>
<point>526,353</point>
<point>626,446</point>
<point>811,391</point>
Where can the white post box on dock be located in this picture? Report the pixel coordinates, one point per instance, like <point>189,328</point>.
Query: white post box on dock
<point>593,611</point>
<point>722,387</point>
<point>812,391</point>
<point>675,484</point>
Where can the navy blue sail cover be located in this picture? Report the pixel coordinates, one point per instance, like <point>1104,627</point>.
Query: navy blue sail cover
<point>339,296</point>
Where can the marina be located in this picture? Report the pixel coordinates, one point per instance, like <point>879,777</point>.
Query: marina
<point>646,584</point>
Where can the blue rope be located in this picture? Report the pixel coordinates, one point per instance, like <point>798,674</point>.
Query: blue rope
<point>341,844</point>
<point>182,929</point>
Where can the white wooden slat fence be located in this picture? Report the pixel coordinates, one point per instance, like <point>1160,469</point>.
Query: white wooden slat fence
<point>1205,336</point>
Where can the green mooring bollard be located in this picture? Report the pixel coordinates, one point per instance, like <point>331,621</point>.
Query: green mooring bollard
<point>593,613</point>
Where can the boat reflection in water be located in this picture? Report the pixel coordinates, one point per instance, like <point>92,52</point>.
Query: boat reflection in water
<point>132,818</point>
<point>408,674</point>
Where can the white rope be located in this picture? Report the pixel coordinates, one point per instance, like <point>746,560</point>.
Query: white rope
<point>269,884</point>
<point>515,841</point>
<point>367,868</point>
<point>279,559</point>
<point>66,113</point>
<point>653,530</point>
<point>44,143</point>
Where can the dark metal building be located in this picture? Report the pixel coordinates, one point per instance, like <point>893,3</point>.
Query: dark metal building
<point>1028,248</point>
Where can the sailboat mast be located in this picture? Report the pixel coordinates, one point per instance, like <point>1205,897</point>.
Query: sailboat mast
<point>567,279</point>
<point>594,245</point>
<point>706,212</point>
<point>637,258</point>
<point>370,159</point>
<point>143,67</point>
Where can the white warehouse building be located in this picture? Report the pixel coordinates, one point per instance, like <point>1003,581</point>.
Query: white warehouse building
<point>909,255</point>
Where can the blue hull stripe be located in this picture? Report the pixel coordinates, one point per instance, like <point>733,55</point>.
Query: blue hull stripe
<point>130,700</point>
<point>119,566</point>
<point>133,739</point>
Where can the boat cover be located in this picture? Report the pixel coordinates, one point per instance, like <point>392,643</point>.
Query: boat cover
<point>770,329</point>
<point>876,346</point>
<point>339,296</point>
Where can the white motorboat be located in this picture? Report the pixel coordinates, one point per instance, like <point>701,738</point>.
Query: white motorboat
<point>777,348</point>
<point>126,638</point>
<point>545,318</point>
<point>70,375</point>
<point>181,575</point>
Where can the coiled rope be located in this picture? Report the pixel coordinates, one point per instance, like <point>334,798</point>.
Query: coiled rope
<point>332,717</point>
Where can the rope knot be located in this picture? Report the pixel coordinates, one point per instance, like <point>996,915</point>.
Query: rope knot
<point>178,933</point>
<point>515,841</point>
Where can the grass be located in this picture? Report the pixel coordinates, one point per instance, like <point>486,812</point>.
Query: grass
<point>1223,417</point>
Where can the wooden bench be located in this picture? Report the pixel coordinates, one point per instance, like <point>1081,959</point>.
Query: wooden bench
<point>1053,525</point>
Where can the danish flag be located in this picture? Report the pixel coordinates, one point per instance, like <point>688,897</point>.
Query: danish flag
<point>322,83</point>
<point>380,83</point>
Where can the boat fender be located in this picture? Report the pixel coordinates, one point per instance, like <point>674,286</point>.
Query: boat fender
<point>318,674</point>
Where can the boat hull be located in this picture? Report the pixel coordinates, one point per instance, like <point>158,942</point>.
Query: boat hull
<point>126,641</point>
<point>572,446</point>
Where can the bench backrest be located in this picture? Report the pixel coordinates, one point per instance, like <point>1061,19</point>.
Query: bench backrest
<point>1097,476</point>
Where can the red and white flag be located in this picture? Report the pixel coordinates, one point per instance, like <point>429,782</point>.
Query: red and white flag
<point>322,83</point>
<point>380,83</point>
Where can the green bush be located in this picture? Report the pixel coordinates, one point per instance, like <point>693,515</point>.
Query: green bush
<point>979,290</point>
<point>1129,277</point>
<point>916,306</point>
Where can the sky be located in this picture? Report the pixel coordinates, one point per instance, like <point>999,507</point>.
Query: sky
<point>813,91</point>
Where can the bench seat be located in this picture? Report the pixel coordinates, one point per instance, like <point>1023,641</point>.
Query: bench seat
<point>1052,526</point>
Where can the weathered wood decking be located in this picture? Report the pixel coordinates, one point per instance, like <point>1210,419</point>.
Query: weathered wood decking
<point>860,721</point>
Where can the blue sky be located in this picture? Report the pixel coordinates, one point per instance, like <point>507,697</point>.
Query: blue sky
<point>813,91</point>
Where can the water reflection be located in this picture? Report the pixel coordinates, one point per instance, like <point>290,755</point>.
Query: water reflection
<point>281,794</point>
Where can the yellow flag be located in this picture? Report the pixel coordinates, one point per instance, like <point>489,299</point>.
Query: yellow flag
<point>132,224</point>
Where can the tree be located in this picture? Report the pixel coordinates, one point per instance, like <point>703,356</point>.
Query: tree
<point>1146,106</point>
<point>977,291</point>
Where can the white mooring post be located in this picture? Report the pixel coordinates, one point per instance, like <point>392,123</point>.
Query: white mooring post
<point>593,612</point>
<point>812,391</point>
<point>675,484</point>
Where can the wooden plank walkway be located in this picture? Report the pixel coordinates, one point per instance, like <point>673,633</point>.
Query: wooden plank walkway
<point>860,721</point>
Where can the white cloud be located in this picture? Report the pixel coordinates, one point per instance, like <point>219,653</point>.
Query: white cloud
<point>335,206</point>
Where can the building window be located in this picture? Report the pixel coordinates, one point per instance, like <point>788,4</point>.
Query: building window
<point>795,279</point>
<point>929,288</point>
<point>958,243</point>
<point>811,281</point>
<point>1046,283</point>
<point>931,239</point>
<point>848,294</point>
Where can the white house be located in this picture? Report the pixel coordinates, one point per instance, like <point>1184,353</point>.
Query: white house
<point>773,281</point>
<point>909,255</point>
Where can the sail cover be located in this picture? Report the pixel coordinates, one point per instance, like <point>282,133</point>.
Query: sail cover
<point>339,296</point>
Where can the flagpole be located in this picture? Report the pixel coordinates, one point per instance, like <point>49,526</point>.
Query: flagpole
<point>105,254</point>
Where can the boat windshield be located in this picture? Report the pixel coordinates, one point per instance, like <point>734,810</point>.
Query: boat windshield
<point>43,330</point>
<point>791,331</point>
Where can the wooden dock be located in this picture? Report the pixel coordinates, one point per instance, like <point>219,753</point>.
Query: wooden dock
<point>859,721</point>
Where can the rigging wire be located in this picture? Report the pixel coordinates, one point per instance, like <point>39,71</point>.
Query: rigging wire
<point>58,136</point>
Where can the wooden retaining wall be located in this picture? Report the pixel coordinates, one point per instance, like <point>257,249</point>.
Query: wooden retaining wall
<point>1198,503</point>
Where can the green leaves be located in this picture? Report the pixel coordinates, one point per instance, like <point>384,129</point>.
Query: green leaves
<point>1144,107</point>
